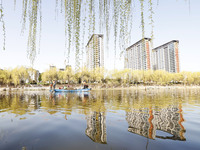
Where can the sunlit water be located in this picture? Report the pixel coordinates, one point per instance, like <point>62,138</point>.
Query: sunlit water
<point>118,119</point>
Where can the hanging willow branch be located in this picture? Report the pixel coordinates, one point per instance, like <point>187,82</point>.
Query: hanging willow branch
<point>128,22</point>
<point>121,10</point>
<point>68,25</point>
<point>151,18</point>
<point>77,31</point>
<point>40,26</point>
<point>142,17</point>
<point>3,26</point>
<point>24,14</point>
<point>34,7</point>
<point>100,15</point>
<point>116,19</point>
<point>105,14</point>
<point>125,20</point>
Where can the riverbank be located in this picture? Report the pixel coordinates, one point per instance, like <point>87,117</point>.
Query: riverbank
<point>141,87</point>
<point>150,88</point>
<point>24,89</point>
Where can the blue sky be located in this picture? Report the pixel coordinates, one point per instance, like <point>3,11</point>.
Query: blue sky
<point>173,20</point>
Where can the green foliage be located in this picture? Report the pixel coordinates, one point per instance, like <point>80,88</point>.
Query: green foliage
<point>97,75</point>
<point>61,76</point>
<point>68,74</point>
<point>40,77</point>
<point>2,77</point>
<point>20,75</point>
<point>49,75</point>
<point>8,79</point>
<point>84,75</point>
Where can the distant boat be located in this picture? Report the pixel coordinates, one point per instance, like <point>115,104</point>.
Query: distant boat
<point>75,90</point>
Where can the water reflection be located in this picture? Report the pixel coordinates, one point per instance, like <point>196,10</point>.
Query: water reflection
<point>146,122</point>
<point>19,103</point>
<point>96,127</point>
<point>151,115</point>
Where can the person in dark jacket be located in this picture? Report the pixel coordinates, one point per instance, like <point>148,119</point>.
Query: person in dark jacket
<point>85,86</point>
<point>54,84</point>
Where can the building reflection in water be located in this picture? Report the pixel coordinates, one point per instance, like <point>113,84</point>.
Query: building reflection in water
<point>33,102</point>
<point>146,122</point>
<point>96,127</point>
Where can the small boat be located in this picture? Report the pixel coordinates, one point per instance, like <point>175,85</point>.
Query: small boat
<point>75,90</point>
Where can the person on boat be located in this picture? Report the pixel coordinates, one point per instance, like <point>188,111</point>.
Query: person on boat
<point>85,86</point>
<point>54,84</point>
<point>51,85</point>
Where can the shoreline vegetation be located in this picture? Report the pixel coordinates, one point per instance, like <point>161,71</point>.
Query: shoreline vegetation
<point>98,87</point>
<point>27,79</point>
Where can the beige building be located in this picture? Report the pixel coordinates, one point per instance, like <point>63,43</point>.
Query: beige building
<point>95,52</point>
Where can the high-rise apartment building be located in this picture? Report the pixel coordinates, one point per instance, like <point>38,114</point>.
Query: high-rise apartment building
<point>95,52</point>
<point>166,57</point>
<point>138,55</point>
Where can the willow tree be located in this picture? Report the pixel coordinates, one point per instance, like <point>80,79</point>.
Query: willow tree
<point>82,19</point>
<point>97,75</point>
<point>68,74</point>
<point>2,77</point>
<point>19,75</point>
<point>49,75</point>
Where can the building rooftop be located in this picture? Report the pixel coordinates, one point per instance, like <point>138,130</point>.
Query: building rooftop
<point>166,44</point>
<point>138,42</point>
<point>100,35</point>
<point>52,67</point>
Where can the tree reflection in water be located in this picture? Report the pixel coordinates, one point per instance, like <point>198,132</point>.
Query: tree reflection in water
<point>147,112</point>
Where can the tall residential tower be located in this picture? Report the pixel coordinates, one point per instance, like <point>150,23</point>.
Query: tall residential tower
<point>166,57</point>
<point>138,55</point>
<point>95,52</point>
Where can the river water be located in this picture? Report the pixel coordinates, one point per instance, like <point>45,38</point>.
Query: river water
<point>112,119</point>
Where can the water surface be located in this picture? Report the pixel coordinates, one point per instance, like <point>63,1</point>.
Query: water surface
<point>113,119</point>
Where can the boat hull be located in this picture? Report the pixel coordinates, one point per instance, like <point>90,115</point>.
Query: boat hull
<point>77,90</point>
